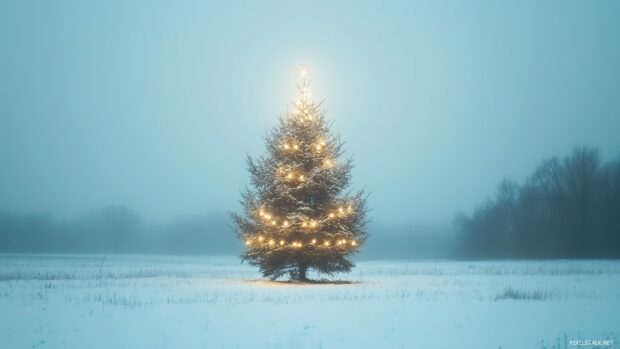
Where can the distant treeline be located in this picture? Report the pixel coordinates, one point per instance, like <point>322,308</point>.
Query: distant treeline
<point>567,208</point>
<point>115,229</point>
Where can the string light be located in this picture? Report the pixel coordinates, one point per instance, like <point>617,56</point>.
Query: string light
<point>342,210</point>
<point>298,244</point>
<point>303,113</point>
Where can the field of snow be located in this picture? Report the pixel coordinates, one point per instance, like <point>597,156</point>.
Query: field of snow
<point>77,301</point>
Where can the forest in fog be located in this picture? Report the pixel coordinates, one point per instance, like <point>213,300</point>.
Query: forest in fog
<point>567,208</point>
<point>115,229</point>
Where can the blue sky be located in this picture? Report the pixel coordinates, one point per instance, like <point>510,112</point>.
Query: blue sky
<point>154,105</point>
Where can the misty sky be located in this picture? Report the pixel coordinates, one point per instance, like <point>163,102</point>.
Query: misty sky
<point>154,105</point>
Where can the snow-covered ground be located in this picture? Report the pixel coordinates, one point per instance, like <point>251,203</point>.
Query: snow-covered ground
<point>68,301</point>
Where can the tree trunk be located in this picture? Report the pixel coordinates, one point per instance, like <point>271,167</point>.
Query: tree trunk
<point>300,274</point>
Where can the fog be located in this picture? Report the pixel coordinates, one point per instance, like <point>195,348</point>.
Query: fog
<point>124,126</point>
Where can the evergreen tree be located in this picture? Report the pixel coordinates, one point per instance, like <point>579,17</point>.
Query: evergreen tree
<point>297,216</point>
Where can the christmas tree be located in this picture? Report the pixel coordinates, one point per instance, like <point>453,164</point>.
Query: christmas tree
<point>298,216</point>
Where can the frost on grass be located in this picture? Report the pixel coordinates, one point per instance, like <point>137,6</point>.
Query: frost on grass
<point>198,302</point>
<point>511,293</point>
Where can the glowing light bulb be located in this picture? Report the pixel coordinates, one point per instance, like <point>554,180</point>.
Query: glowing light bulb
<point>267,216</point>
<point>313,224</point>
<point>299,244</point>
<point>331,215</point>
<point>247,242</point>
<point>262,213</point>
<point>260,238</point>
<point>273,222</point>
<point>313,241</point>
<point>302,72</point>
<point>301,177</point>
<point>295,147</point>
<point>281,242</point>
<point>286,146</point>
<point>322,142</point>
<point>326,243</point>
<point>349,208</point>
<point>340,210</point>
<point>304,224</point>
<point>290,175</point>
<point>271,242</point>
<point>353,243</point>
<point>285,223</point>
<point>344,241</point>
<point>327,163</point>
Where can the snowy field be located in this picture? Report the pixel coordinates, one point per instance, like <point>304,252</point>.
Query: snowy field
<point>150,302</point>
